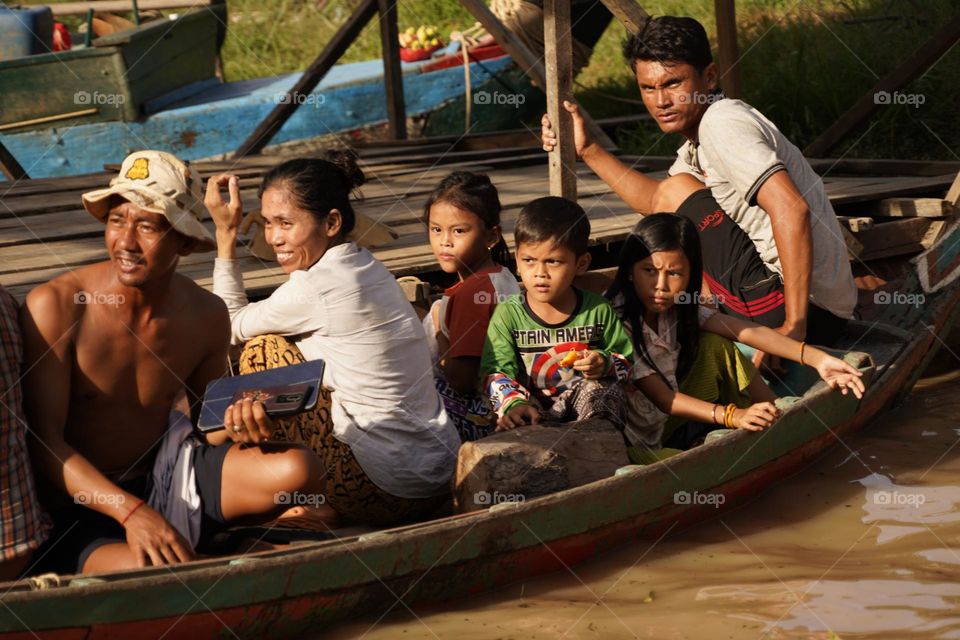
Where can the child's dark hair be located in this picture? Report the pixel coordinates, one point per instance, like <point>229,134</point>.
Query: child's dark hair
<point>669,40</point>
<point>662,232</point>
<point>320,184</point>
<point>554,218</point>
<point>475,193</point>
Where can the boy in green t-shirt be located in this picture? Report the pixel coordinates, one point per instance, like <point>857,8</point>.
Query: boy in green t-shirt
<point>554,352</point>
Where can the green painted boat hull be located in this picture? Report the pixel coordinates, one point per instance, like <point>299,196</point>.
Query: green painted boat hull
<point>282,593</point>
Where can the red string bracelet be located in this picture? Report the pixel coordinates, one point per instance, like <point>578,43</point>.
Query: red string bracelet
<point>132,511</point>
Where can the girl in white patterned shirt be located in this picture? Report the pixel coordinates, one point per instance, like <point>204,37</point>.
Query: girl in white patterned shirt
<point>686,366</point>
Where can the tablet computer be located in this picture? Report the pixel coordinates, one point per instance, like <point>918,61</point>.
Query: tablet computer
<point>284,391</point>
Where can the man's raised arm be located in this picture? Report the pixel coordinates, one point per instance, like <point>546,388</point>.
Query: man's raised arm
<point>633,187</point>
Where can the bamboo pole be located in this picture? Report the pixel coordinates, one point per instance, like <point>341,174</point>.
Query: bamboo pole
<point>558,56</point>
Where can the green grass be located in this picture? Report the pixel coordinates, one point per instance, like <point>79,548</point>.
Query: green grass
<point>803,63</point>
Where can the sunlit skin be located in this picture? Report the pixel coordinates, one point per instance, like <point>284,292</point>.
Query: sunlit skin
<point>676,94</point>
<point>142,246</point>
<point>296,236</point>
<point>547,271</point>
<point>460,240</point>
<point>658,279</point>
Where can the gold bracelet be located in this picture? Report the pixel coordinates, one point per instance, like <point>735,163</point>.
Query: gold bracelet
<point>802,347</point>
<point>713,414</point>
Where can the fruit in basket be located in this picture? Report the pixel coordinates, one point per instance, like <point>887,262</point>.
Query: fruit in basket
<point>423,38</point>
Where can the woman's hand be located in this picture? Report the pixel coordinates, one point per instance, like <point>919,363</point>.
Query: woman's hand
<point>591,365</point>
<point>226,215</point>
<point>247,422</point>
<point>756,417</point>
<point>838,374</point>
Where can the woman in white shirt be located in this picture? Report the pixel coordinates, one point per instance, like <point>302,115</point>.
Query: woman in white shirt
<point>391,449</point>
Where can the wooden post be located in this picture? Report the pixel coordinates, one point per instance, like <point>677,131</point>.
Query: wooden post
<point>528,61</point>
<point>558,55</point>
<point>629,13</point>
<point>881,93</point>
<point>9,165</point>
<point>265,131</point>
<point>392,76</point>
<point>727,50</point>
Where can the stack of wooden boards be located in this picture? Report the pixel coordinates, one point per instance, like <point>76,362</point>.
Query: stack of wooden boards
<point>44,230</point>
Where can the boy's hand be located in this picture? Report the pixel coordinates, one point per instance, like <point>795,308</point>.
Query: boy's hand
<point>518,415</point>
<point>591,365</point>
<point>756,417</point>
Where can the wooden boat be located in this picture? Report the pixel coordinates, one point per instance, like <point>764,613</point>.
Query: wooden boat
<point>281,593</point>
<point>153,86</point>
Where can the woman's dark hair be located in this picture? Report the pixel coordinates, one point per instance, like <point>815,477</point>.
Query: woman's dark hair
<point>475,193</point>
<point>662,232</point>
<point>318,185</point>
<point>669,40</point>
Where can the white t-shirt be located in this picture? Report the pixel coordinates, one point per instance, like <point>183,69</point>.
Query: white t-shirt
<point>738,150</point>
<point>348,310</point>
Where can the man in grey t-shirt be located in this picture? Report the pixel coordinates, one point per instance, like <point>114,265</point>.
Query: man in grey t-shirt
<point>758,177</point>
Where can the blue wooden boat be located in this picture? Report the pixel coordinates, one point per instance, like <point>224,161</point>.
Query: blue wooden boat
<point>208,119</point>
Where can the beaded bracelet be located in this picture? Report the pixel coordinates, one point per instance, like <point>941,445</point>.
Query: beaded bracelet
<point>728,416</point>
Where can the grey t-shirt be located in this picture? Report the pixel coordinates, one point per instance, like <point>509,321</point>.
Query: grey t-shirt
<point>738,150</point>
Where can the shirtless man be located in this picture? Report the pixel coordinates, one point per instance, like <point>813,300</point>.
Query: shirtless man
<point>108,350</point>
<point>773,249</point>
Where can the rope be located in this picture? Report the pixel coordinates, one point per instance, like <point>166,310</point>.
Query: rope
<point>44,581</point>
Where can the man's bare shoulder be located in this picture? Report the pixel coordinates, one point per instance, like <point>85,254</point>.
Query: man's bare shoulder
<point>61,301</point>
<point>205,307</point>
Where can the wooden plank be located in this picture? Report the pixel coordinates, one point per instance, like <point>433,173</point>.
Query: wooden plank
<point>953,193</point>
<point>558,56</point>
<point>392,78</point>
<point>629,13</point>
<point>331,53</point>
<point>915,207</point>
<point>899,237</point>
<point>840,192</point>
<point>528,62</point>
<point>122,6</point>
<point>905,73</point>
<point>10,167</point>
<point>855,224</point>
<point>728,53</point>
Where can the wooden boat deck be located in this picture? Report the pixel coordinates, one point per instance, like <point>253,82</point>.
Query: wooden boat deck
<point>44,230</point>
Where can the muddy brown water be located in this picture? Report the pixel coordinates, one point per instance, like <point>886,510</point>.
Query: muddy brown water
<point>864,543</point>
